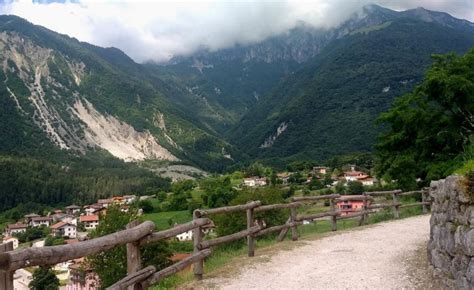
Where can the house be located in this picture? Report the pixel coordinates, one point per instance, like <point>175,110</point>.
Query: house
<point>17,228</point>
<point>119,200</point>
<point>321,170</point>
<point>347,206</point>
<point>81,277</point>
<point>62,229</point>
<point>73,209</point>
<point>284,177</point>
<point>28,217</point>
<point>354,175</point>
<point>94,209</point>
<point>129,198</point>
<point>255,181</point>
<point>13,240</point>
<point>105,202</point>
<point>90,221</point>
<point>367,181</point>
<point>186,236</point>
<point>40,221</point>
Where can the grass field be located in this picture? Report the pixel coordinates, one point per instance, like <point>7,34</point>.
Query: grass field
<point>162,219</point>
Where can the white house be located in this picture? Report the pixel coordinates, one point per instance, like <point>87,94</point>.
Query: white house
<point>90,221</point>
<point>40,221</point>
<point>17,228</point>
<point>320,169</point>
<point>9,239</point>
<point>104,202</point>
<point>354,175</point>
<point>186,236</point>
<point>73,209</point>
<point>367,181</point>
<point>255,181</point>
<point>93,209</point>
<point>129,198</point>
<point>62,229</point>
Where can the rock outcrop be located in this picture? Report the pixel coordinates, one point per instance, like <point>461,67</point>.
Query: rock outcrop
<point>451,245</point>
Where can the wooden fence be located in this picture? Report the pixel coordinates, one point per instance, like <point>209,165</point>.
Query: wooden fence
<point>136,235</point>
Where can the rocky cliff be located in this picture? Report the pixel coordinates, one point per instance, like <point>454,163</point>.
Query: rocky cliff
<point>451,245</point>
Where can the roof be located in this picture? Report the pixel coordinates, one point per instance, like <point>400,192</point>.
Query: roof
<point>354,173</point>
<point>41,218</point>
<point>9,238</point>
<point>73,207</point>
<point>89,218</point>
<point>60,225</point>
<point>16,226</point>
<point>102,201</point>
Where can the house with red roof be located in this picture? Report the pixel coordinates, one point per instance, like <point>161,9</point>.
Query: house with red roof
<point>17,228</point>
<point>347,205</point>
<point>90,221</point>
<point>62,229</point>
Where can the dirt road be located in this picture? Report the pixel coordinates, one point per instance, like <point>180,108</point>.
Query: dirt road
<point>389,255</point>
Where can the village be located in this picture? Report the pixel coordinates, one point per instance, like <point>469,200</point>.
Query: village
<point>67,226</point>
<point>74,223</point>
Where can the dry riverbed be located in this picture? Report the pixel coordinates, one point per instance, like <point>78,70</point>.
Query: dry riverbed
<point>389,255</point>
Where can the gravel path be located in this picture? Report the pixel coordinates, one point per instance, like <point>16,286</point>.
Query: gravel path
<point>375,257</point>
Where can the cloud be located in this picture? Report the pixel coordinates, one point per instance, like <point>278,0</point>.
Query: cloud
<point>158,30</point>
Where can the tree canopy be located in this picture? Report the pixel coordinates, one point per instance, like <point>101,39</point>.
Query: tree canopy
<point>430,130</point>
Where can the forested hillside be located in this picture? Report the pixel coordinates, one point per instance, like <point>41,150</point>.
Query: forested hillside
<point>329,107</point>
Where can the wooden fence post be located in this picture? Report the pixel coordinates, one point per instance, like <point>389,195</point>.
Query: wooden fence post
<point>333,218</point>
<point>364,208</point>
<point>396,209</point>
<point>6,277</point>
<point>294,232</point>
<point>250,238</point>
<point>134,262</point>
<point>283,232</point>
<point>198,267</point>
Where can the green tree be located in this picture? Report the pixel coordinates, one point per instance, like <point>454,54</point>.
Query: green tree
<point>44,279</point>
<point>115,220</point>
<point>429,128</point>
<point>146,206</point>
<point>355,187</point>
<point>234,222</point>
<point>218,191</point>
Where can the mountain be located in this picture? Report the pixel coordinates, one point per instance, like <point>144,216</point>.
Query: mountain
<point>305,94</point>
<point>59,93</point>
<point>225,85</point>
<point>329,106</point>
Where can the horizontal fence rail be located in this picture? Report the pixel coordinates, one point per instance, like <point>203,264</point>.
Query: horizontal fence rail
<point>137,235</point>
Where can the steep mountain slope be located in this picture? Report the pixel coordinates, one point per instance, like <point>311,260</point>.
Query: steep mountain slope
<point>329,106</point>
<point>83,97</point>
<point>223,85</point>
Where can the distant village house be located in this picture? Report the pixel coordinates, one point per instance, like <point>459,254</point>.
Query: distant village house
<point>255,181</point>
<point>90,221</point>
<point>63,229</point>
<point>348,206</point>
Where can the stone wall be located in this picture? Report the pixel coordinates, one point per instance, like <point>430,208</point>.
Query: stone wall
<point>451,245</point>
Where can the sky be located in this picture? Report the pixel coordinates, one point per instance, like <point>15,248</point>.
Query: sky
<point>158,30</point>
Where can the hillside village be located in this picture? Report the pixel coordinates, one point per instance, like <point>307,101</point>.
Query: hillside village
<point>73,223</point>
<point>68,226</point>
